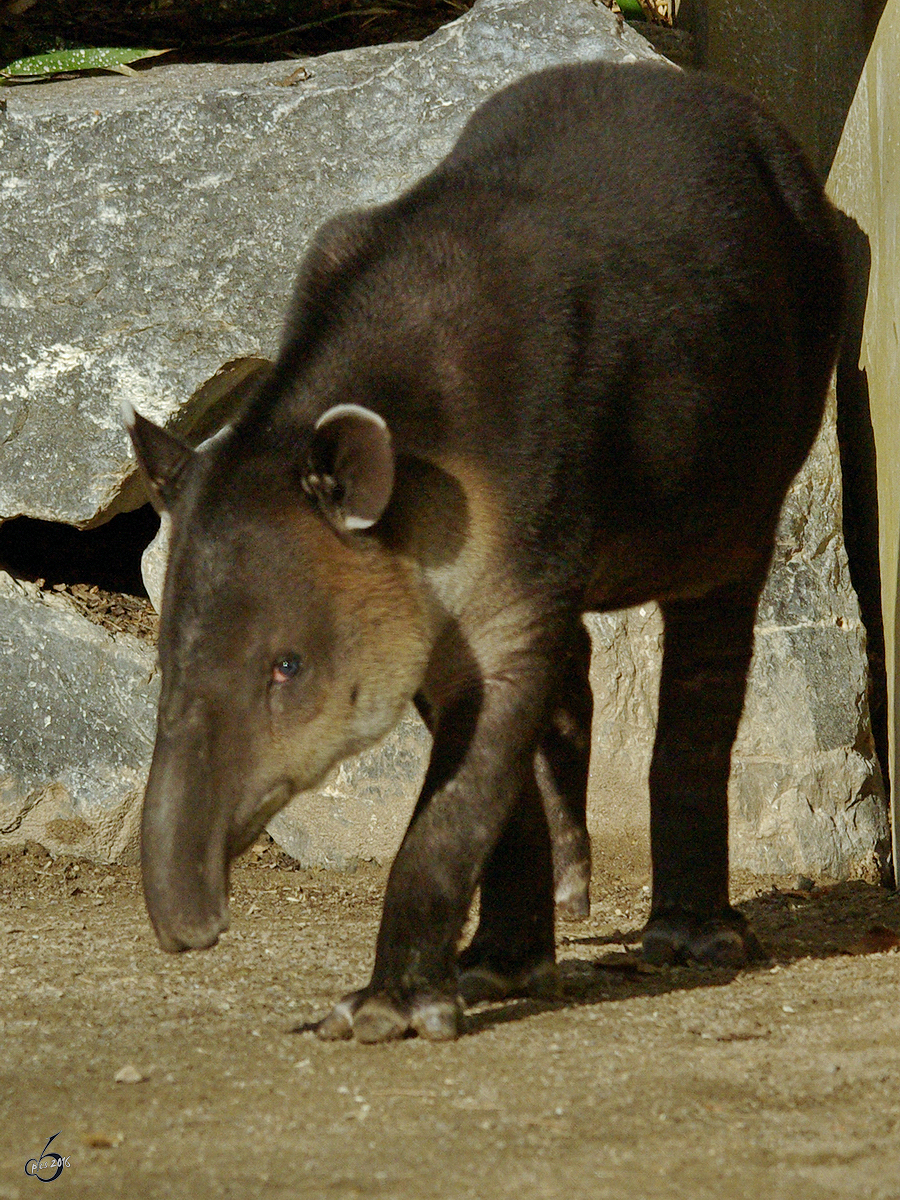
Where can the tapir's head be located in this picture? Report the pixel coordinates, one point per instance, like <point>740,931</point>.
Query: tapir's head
<point>290,638</point>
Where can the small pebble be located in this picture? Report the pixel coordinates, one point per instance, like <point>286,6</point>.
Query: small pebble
<point>129,1074</point>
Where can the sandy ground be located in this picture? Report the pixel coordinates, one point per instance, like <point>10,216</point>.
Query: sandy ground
<point>776,1083</point>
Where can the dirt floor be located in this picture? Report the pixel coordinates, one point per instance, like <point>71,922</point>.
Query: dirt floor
<point>196,1076</point>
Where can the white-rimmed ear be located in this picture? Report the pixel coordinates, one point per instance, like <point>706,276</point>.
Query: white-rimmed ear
<point>351,466</point>
<point>214,439</point>
<point>161,456</point>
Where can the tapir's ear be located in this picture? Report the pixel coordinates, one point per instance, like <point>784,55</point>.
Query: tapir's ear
<point>351,466</point>
<point>161,456</point>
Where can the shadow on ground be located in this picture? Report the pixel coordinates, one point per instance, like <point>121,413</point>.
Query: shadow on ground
<point>792,923</point>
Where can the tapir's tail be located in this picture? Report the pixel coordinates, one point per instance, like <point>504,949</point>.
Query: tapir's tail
<point>810,243</point>
<point>813,238</point>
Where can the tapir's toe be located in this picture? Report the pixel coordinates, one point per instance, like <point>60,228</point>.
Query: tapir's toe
<point>375,1017</point>
<point>378,1020</point>
<point>725,940</point>
<point>480,982</point>
<point>436,1018</point>
<point>338,1025</point>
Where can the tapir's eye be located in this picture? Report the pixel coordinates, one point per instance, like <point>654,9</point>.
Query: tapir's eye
<point>284,669</point>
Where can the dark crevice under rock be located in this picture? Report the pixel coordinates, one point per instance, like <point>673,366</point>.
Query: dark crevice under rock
<point>99,570</point>
<point>108,557</point>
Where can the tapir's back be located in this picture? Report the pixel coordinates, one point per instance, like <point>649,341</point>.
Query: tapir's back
<point>676,289</point>
<point>648,168</point>
<point>612,139</point>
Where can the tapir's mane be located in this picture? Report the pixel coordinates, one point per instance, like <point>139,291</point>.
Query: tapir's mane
<point>376,270</point>
<point>342,259</point>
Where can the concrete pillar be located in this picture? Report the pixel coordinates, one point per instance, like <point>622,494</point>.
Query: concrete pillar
<point>830,70</point>
<point>865,182</point>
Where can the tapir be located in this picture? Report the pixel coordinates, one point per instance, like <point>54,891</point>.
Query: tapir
<point>574,368</point>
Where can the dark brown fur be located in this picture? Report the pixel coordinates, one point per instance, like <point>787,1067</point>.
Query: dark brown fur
<point>584,358</point>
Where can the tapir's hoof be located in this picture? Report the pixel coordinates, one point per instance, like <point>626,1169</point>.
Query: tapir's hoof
<point>721,941</point>
<point>572,891</point>
<point>573,907</point>
<point>481,982</point>
<point>371,1017</point>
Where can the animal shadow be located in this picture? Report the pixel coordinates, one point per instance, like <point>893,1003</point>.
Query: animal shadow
<point>792,923</point>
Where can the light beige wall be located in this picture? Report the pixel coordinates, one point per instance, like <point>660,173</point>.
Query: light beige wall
<point>830,69</point>
<point>865,182</point>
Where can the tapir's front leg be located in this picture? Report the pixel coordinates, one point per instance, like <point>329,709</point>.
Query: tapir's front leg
<point>513,952</point>
<point>481,761</point>
<point>706,657</point>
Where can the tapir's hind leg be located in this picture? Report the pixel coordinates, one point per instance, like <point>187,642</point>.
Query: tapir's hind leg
<point>706,657</point>
<point>561,767</point>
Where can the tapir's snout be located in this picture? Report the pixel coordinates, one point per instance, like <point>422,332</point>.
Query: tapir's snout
<point>178,930</point>
<point>184,856</point>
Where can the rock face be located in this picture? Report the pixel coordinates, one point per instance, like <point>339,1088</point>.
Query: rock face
<point>806,792</point>
<point>805,782</point>
<point>174,208</point>
<point>151,231</point>
<point>79,713</point>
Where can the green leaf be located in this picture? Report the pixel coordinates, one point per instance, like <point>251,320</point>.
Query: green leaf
<point>64,61</point>
<point>631,9</point>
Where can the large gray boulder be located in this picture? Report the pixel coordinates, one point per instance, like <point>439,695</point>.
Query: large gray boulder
<point>152,227</point>
<point>151,231</point>
<point>78,716</point>
<point>805,784</point>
